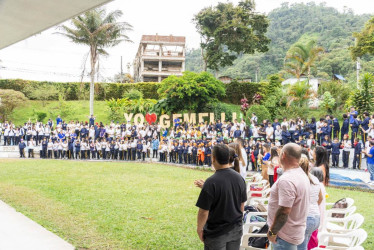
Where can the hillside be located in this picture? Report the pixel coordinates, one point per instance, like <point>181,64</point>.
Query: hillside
<point>297,22</point>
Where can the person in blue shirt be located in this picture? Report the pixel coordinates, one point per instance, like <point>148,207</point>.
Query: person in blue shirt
<point>345,127</point>
<point>357,154</point>
<point>180,153</point>
<point>92,120</point>
<point>155,145</point>
<point>335,126</point>
<point>364,127</point>
<point>352,114</point>
<point>185,152</point>
<point>354,128</point>
<point>313,127</point>
<point>326,143</point>
<point>194,154</point>
<point>335,151</point>
<point>370,161</point>
<point>139,149</point>
<point>208,155</point>
<point>237,133</point>
<point>219,126</point>
<point>22,146</point>
<point>58,120</point>
<point>77,149</point>
<point>285,135</point>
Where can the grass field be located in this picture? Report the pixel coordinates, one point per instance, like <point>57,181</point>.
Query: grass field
<point>112,205</point>
<point>79,110</point>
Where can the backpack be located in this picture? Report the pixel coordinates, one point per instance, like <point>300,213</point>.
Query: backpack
<point>259,242</point>
<point>248,209</point>
<point>342,203</point>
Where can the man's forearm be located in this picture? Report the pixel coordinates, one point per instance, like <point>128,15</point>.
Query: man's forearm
<point>202,217</point>
<point>280,220</point>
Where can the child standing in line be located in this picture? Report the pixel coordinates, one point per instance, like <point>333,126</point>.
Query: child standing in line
<point>145,149</point>
<point>55,149</point>
<point>347,145</point>
<point>335,151</point>
<point>357,154</point>
<point>161,151</point>
<point>77,149</point>
<point>50,148</point>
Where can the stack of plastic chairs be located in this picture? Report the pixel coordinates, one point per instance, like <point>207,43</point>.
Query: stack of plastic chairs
<point>344,232</point>
<point>258,191</point>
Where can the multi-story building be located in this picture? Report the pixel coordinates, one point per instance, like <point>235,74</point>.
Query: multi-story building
<point>159,57</point>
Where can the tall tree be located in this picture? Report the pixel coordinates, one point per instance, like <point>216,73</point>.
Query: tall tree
<point>300,58</point>
<point>364,41</point>
<point>227,31</point>
<point>98,30</point>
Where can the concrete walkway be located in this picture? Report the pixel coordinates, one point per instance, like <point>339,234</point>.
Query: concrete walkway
<point>17,232</point>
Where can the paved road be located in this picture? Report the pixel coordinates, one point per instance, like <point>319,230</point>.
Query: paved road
<point>17,232</point>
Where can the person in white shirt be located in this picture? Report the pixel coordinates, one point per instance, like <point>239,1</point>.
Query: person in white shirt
<point>269,132</point>
<point>347,146</point>
<point>278,133</point>
<point>31,145</point>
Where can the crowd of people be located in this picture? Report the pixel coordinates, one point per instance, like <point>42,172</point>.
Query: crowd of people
<point>192,143</point>
<point>296,206</point>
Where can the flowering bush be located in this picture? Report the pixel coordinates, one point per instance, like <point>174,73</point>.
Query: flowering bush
<point>244,106</point>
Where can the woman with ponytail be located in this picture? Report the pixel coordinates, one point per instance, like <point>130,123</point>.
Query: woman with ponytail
<point>315,194</point>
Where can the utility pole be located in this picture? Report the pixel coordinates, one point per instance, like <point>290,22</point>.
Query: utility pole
<point>121,67</point>
<point>358,67</point>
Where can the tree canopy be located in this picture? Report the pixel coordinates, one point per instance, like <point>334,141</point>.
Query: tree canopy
<point>365,40</point>
<point>9,100</point>
<point>227,30</point>
<point>191,92</point>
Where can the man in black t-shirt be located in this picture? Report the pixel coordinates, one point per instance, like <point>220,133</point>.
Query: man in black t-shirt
<point>221,204</point>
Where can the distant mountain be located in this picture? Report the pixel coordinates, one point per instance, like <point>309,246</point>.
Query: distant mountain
<point>291,23</point>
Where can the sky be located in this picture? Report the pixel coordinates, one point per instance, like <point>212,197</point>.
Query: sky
<point>52,57</point>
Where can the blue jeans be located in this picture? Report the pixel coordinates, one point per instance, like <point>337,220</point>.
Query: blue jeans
<point>283,245</point>
<point>371,171</point>
<point>312,224</point>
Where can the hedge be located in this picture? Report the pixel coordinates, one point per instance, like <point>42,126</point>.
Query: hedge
<point>78,91</point>
<point>103,91</point>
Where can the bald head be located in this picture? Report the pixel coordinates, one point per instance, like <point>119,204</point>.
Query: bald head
<point>292,152</point>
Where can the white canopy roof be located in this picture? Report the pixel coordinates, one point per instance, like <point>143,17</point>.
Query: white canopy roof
<point>20,19</point>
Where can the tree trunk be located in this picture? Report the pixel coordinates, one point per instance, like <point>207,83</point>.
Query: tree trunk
<point>205,63</point>
<point>92,83</point>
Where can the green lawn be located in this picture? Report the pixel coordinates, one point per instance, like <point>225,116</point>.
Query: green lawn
<point>78,110</point>
<point>116,205</point>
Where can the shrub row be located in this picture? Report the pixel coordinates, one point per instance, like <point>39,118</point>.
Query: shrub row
<point>78,91</point>
<point>103,91</point>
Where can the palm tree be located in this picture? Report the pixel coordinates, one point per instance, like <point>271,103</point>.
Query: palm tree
<point>299,93</point>
<point>300,58</point>
<point>99,31</point>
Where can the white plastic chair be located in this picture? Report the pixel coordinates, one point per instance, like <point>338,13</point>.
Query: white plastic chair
<point>249,226</point>
<point>256,180</point>
<point>345,211</point>
<point>344,225</point>
<point>264,199</point>
<point>246,236</point>
<point>350,202</point>
<point>342,241</point>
